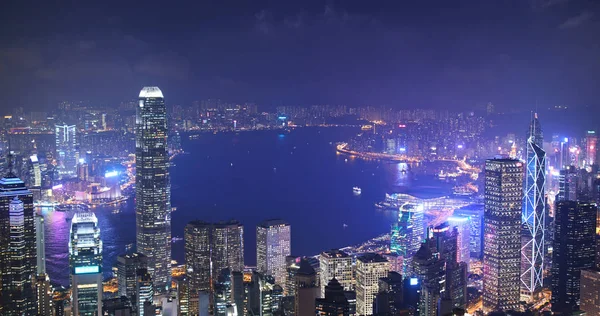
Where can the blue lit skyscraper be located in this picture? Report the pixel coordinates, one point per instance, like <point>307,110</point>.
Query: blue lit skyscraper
<point>66,149</point>
<point>153,190</point>
<point>85,257</point>
<point>534,213</point>
<point>408,233</point>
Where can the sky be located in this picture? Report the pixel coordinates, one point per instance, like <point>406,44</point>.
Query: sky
<point>404,54</point>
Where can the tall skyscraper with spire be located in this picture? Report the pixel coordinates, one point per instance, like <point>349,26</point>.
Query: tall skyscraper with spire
<point>17,247</point>
<point>153,190</point>
<point>533,215</point>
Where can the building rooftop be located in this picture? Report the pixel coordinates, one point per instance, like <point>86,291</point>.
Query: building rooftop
<point>371,258</point>
<point>334,253</point>
<point>273,223</point>
<point>151,92</point>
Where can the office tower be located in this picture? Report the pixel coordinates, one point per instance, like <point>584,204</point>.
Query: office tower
<point>445,242</point>
<point>389,298</point>
<point>263,295</point>
<point>197,255</point>
<point>455,287</point>
<point>85,258</point>
<point>334,302</point>
<point>568,183</point>
<point>534,213</point>
<point>144,291</point>
<point>336,264</point>
<point>40,244</point>
<point>463,226</point>
<point>273,238</point>
<point>574,250</point>
<point>590,292</point>
<point>306,290</point>
<point>43,291</point>
<point>237,291</point>
<point>227,247</point>
<point>35,174</point>
<point>66,149</point>
<point>17,247</point>
<point>222,292</point>
<point>502,231</point>
<point>128,266</point>
<point>183,296</point>
<point>428,268</point>
<point>210,248</point>
<point>408,233</point>
<point>591,148</point>
<point>152,187</point>
<point>292,265</point>
<point>370,268</point>
<point>475,215</point>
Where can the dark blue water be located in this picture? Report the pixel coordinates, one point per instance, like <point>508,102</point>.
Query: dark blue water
<point>255,176</point>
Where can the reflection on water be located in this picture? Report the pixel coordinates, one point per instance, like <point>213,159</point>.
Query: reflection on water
<point>58,226</point>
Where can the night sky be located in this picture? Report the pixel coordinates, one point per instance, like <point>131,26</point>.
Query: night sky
<point>433,54</point>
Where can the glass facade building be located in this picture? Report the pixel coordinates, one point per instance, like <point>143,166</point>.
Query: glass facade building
<point>273,244</point>
<point>66,149</point>
<point>574,250</point>
<point>502,234</point>
<point>85,257</point>
<point>153,191</point>
<point>534,214</point>
<point>17,248</point>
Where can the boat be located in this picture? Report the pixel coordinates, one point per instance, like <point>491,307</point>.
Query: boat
<point>356,190</point>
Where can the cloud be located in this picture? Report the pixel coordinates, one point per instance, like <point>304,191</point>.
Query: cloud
<point>545,4</point>
<point>20,58</point>
<point>166,64</point>
<point>577,20</point>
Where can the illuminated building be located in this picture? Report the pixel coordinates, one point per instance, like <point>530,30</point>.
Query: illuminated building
<point>17,247</point>
<point>117,306</point>
<point>445,241</point>
<point>591,148</point>
<point>273,244</point>
<point>144,291</point>
<point>153,190</point>
<point>83,171</point>
<point>454,293</point>
<point>40,244</point>
<point>475,215</point>
<point>129,269</point>
<point>85,257</point>
<point>428,268</point>
<point>370,268</point>
<point>334,302</point>
<point>408,233</point>
<point>574,250</point>
<point>502,234</point>
<point>463,239</point>
<point>35,173</point>
<point>336,264</point>
<point>66,149</point>
<point>590,292</point>
<point>43,291</point>
<point>533,214</point>
<point>237,291</point>
<point>210,248</point>
<point>568,184</point>
<point>292,264</point>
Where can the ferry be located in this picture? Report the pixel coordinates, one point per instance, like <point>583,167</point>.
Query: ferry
<point>356,190</point>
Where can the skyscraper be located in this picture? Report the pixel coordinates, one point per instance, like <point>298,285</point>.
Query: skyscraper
<point>568,184</point>
<point>273,238</point>
<point>210,248</point>
<point>66,149</point>
<point>85,257</point>
<point>408,233</point>
<point>428,267</point>
<point>336,264</point>
<point>40,244</point>
<point>502,231</point>
<point>574,250</point>
<point>463,239</point>
<point>129,268</point>
<point>18,247</point>
<point>153,190</point>
<point>534,213</point>
<point>590,292</point>
<point>370,268</point>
